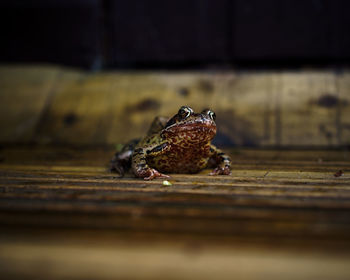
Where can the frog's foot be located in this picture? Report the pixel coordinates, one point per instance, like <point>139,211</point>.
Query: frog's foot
<point>225,170</point>
<point>151,173</point>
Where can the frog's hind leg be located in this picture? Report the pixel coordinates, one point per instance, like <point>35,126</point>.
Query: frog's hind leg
<point>121,161</point>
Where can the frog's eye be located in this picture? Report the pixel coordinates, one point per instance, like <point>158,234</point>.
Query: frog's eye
<point>210,113</point>
<point>185,112</point>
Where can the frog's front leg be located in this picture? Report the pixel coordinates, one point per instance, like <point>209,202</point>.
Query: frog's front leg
<point>221,161</point>
<point>139,164</point>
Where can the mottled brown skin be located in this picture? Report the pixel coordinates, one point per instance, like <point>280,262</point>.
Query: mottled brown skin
<point>178,145</point>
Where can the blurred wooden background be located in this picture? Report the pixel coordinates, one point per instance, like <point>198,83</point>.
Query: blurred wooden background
<point>284,213</point>
<point>256,109</point>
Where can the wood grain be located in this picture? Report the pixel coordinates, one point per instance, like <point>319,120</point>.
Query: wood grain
<point>282,213</point>
<point>161,263</point>
<point>262,109</point>
<point>24,94</point>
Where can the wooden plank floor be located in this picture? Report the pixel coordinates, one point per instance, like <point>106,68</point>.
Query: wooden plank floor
<point>282,214</point>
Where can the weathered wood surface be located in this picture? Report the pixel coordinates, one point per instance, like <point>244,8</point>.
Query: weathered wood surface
<point>57,105</point>
<point>282,214</point>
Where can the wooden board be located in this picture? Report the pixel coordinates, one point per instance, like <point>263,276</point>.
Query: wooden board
<point>263,109</point>
<point>281,214</point>
<point>24,94</point>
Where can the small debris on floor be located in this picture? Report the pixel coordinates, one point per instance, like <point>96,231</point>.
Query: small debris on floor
<point>339,173</point>
<point>166,183</point>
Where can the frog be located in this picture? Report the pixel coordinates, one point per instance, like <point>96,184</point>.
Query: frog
<point>180,144</point>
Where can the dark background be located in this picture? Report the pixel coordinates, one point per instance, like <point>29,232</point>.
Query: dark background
<point>97,34</point>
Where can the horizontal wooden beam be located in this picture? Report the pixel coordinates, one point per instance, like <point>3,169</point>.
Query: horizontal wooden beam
<point>261,109</point>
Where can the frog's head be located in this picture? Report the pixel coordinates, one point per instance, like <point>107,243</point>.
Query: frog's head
<point>190,127</point>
